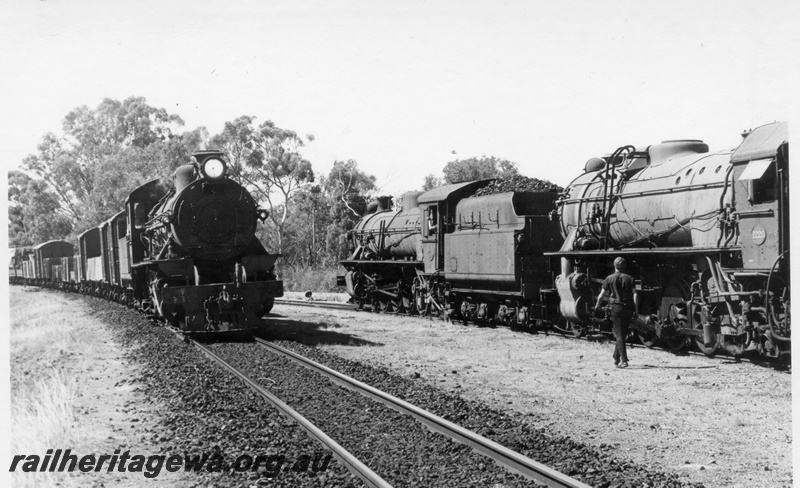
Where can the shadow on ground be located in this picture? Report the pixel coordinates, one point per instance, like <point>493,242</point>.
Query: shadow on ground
<point>280,328</point>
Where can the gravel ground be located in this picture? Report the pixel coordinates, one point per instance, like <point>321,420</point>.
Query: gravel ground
<point>594,466</point>
<point>398,448</point>
<point>709,421</point>
<point>206,411</point>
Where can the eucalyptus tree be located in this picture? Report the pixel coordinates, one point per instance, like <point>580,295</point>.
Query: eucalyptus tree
<point>267,159</point>
<point>104,153</point>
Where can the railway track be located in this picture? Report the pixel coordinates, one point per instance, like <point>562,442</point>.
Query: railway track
<point>315,304</point>
<point>352,463</point>
<point>776,364</point>
<point>500,454</point>
<point>503,456</point>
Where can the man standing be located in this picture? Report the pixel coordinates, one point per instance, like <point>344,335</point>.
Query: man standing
<point>620,288</point>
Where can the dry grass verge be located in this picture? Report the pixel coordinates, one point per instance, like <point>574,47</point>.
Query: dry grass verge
<point>71,389</point>
<point>43,393</point>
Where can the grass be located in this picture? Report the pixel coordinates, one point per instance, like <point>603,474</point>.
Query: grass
<point>43,393</point>
<point>318,280</point>
<point>43,418</point>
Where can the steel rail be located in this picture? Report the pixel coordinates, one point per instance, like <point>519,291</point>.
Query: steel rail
<point>311,303</point>
<point>502,455</point>
<point>351,462</point>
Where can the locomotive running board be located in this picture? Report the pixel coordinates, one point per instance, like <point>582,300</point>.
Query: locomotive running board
<point>648,250</point>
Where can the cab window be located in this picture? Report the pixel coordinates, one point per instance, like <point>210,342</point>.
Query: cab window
<point>763,189</point>
<point>431,221</point>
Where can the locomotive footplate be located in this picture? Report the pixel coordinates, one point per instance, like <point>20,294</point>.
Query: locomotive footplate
<point>219,307</point>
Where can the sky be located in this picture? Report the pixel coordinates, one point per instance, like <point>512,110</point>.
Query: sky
<point>405,87</point>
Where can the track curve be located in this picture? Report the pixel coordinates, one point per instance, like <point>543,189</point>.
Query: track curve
<point>500,454</point>
<point>353,464</point>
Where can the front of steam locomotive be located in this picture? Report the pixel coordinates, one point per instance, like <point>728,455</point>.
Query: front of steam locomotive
<point>226,276</point>
<point>213,217</point>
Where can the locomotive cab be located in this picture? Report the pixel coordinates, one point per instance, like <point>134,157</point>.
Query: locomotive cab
<point>761,196</point>
<point>439,208</point>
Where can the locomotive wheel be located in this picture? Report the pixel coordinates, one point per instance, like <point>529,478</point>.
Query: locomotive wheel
<point>407,305</point>
<point>561,325</point>
<point>648,339</point>
<point>570,328</point>
<point>675,344</point>
<point>396,305</point>
<point>419,301</point>
<point>577,329</point>
<point>677,316</point>
<point>380,305</point>
<point>648,306</point>
<point>674,310</point>
<point>701,345</point>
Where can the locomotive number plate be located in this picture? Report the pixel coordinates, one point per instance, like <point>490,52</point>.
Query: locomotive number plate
<point>759,235</point>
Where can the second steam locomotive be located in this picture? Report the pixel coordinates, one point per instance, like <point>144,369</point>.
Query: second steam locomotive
<point>706,236</point>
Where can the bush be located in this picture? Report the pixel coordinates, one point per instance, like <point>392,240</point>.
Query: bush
<point>318,280</point>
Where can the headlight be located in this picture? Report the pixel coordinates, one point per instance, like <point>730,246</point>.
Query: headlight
<point>214,168</point>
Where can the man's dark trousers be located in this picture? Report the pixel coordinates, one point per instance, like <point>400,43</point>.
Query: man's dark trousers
<point>620,319</point>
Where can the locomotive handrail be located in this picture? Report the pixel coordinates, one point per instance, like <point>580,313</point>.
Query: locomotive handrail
<point>726,182</point>
<point>397,243</point>
<point>162,218</point>
<point>662,191</point>
<point>769,312</point>
<point>657,250</point>
<point>756,213</point>
<point>608,189</point>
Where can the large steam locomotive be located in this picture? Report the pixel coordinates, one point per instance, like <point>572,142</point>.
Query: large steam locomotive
<point>185,251</point>
<point>706,236</point>
<point>707,233</point>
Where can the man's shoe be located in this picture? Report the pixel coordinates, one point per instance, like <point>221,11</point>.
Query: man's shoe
<point>616,362</point>
<point>622,365</point>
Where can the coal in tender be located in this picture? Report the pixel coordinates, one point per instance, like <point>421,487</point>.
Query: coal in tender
<point>518,183</point>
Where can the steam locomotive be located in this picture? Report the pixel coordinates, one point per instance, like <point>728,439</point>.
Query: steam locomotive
<point>185,252</point>
<point>706,236</point>
<point>449,251</point>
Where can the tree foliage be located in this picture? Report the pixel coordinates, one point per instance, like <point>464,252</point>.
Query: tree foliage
<point>34,215</point>
<point>106,152</point>
<point>346,185</point>
<point>322,214</point>
<point>267,159</point>
<point>432,181</point>
<point>477,169</point>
